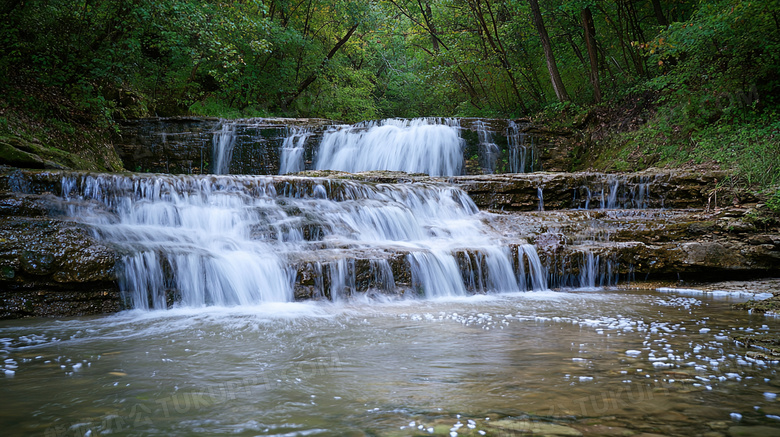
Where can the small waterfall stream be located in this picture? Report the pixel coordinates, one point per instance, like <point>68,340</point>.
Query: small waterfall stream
<point>223,143</point>
<point>293,149</point>
<point>241,240</point>
<point>424,145</point>
<point>212,265</point>
<point>522,153</point>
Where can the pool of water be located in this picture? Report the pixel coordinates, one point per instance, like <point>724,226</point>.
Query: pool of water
<point>636,361</point>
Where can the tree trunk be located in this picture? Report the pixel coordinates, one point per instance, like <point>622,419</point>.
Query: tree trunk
<point>659,13</point>
<point>428,15</point>
<point>493,38</point>
<point>552,67</point>
<point>312,77</point>
<point>590,43</point>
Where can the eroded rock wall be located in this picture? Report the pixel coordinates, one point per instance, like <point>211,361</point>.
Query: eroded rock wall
<point>50,266</point>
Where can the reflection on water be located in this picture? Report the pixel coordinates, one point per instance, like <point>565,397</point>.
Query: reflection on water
<point>645,361</point>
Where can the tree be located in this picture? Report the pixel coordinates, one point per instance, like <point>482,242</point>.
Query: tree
<point>589,30</point>
<point>552,67</point>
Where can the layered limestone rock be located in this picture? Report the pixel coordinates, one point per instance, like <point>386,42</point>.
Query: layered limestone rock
<point>555,191</point>
<point>51,265</point>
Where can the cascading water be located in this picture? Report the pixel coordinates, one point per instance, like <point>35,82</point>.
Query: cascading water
<point>521,155</point>
<point>423,145</point>
<point>489,150</point>
<point>533,277</point>
<point>615,192</point>
<point>671,362</point>
<point>240,240</point>
<point>291,160</point>
<point>223,142</point>
<point>540,196</point>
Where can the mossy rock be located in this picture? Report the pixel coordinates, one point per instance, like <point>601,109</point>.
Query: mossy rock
<point>768,344</point>
<point>761,306</point>
<point>21,153</point>
<point>10,155</point>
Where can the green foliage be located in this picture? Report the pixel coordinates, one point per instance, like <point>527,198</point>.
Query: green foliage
<point>773,201</point>
<point>714,71</point>
<point>723,62</point>
<point>407,58</point>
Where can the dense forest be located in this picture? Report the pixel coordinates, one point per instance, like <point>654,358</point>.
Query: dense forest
<point>672,81</point>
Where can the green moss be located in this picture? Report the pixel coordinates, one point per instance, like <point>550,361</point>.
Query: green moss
<point>19,152</point>
<point>10,155</point>
<point>761,306</point>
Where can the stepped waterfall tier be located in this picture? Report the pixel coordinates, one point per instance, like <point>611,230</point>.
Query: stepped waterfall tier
<point>432,145</point>
<point>425,146</point>
<point>241,240</point>
<point>388,278</point>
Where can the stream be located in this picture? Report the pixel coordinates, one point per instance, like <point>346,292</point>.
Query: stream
<point>326,305</point>
<point>640,360</point>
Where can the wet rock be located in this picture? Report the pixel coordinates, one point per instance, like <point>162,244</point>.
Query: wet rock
<point>534,428</point>
<point>718,426</point>
<point>42,300</point>
<point>16,204</point>
<point>648,189</point>
<point>763,346</point>
<point>184,145</point>
<point>51,267</point>
<point>753,431</point>
<point>37,262</point>
<point>606,431</point>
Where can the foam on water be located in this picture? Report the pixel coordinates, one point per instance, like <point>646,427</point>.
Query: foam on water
<point>242,240</point>
<point>293,150</point>
<point>422,145</point>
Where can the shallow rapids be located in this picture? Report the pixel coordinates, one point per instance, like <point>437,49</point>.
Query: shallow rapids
<point>242,240</point>
<point>640,361</point>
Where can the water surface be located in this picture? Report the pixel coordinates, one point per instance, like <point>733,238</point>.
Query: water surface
<point>642,360</point>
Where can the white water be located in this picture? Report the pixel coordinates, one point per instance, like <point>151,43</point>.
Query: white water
<point>241,240</point>
<point>489,151</point>
<point>617,192</point>
<point>223,142</point>
<point>521,155</point>
<point>423,145</point>
<point>291,160</point>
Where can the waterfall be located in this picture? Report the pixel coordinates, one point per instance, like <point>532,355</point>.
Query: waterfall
<point>589,270</point>
<point>292,151</point>
<point>584,269</point>
<point>490,270</point>
<point>489,151</point>
<point>423,145</point>
<point>615,192</point>
<point>244,240</point>
<point>342,279</point>
<point>382,275</point>
<point>223,142</point>
<point>521,155</point>
<point>540,196</point>
<point>534,277</point>
<point>436,274</point>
